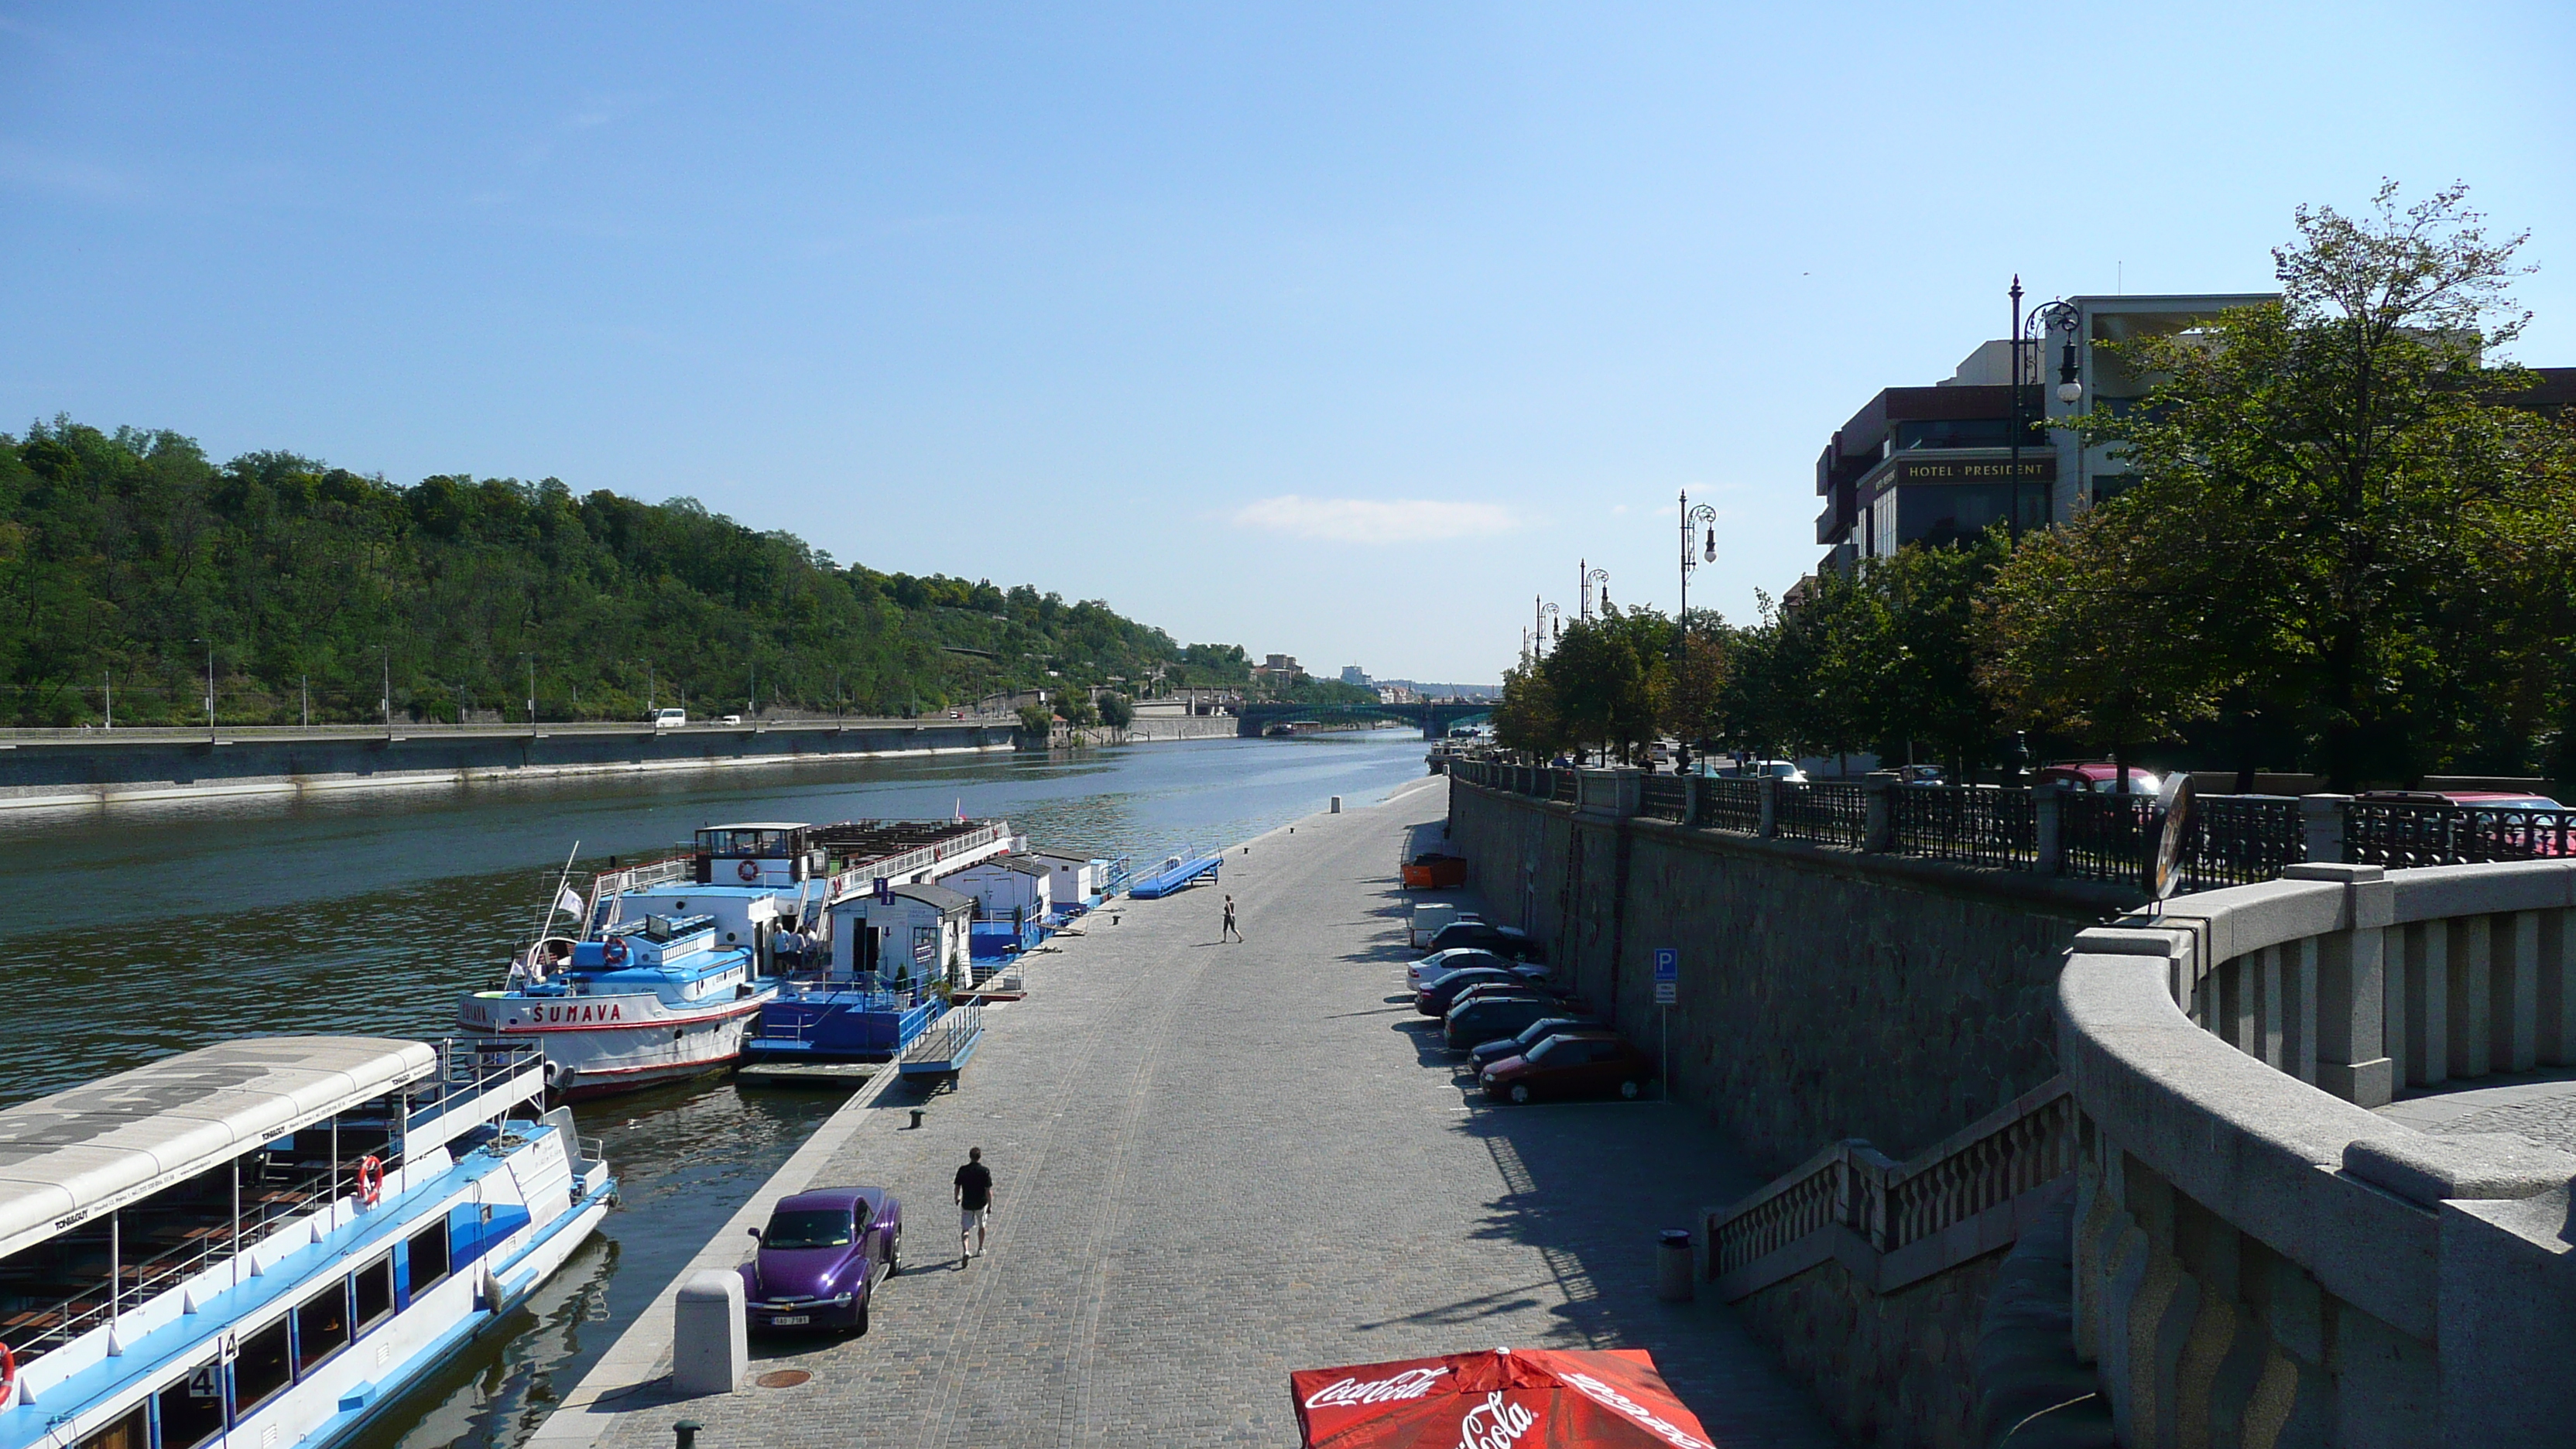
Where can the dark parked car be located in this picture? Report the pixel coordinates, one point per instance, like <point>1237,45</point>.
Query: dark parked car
<point>1529,1036</point>
<point>1495,992</point>
<point>1576,1064</point>
<point>1486,936</point>
<point>820,1255</point>
<point>1436,998</point>
<point>1480,1018</point>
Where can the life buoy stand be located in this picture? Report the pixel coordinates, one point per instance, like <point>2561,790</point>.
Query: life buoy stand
<point>371,1180</point>
<point>613,950</point>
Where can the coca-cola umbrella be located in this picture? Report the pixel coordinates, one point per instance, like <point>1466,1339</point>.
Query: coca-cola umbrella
<point>1506,1399</point>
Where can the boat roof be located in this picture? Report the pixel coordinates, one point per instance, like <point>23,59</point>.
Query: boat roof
<point>762,825</point>
<point>948,901</point>
<point>75,1153</point>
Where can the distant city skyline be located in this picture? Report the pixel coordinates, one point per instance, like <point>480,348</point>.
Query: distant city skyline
<point>1332,329</point>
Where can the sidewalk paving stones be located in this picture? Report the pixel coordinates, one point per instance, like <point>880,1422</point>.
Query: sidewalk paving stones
<point>1217,1163</point>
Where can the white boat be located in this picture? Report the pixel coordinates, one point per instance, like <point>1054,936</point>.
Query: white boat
<point>649,1001</point>
<point>264,1243</point>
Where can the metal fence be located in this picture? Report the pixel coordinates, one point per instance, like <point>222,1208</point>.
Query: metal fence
<point>1973,824</point>
<point>1731,805</point>
<point>2106,837</point>
<point>2242,839</point>
<point>1826,812</point>
<point>2404,833</point>
<point>1664,797</point>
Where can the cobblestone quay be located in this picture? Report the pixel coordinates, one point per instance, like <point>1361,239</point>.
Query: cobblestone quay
<point>1218,1163</point>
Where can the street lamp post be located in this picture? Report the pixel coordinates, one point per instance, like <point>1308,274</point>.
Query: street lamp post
<point>1586,576</point>
<point>531,659</point>
<point>210,687</point>
<point>1705,516</point>
<point>2026,336</point>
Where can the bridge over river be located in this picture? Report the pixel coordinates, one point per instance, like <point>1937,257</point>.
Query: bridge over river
<point>1436,718</point>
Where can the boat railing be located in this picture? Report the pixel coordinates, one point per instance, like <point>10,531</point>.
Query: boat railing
<point>466,1069</point>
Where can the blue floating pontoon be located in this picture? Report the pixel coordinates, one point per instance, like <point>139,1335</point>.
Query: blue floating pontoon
<point>944,1048</point>
<point>1176,875</point>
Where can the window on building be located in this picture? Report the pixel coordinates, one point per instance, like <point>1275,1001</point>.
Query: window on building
<point>129,1431</point>
<point>428,1254</point>
<point>192,1410</point>
<point>321,1326</point>
<point>373,1288</point>
<point>1965,433</point>
<point>261,1369</point>
<point>1947,513</point>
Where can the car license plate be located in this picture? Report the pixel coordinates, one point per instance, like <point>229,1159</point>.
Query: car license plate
<point>790,1320</point>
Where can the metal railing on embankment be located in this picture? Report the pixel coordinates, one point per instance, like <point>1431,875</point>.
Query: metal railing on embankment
<point>2080,835</point>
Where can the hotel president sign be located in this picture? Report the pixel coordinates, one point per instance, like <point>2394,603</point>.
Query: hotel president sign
<point>2041,468</point>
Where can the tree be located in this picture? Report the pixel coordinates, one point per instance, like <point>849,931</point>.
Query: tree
<point>1116,712</point>
<point>2333,496</point>
<point>1037,719</point>
<point>1076,710</point>
<point>1698,677</point>
<point>1526,721</point>
<point>1608,676</point>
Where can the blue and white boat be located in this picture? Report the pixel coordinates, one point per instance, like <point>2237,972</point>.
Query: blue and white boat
<point>262,1244</point>
<point>649,1001</point>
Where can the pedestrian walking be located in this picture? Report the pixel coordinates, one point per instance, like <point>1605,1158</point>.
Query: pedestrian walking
<point>1230,928</point>
<point>975,1199</point>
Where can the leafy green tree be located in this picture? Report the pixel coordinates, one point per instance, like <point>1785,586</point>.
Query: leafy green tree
<point>1074,708</point>
<point>1526,721</point>
<point>1116,712</point>
<point>1037,719</point>
<point>1608,676</point>
<point>2336,503</point>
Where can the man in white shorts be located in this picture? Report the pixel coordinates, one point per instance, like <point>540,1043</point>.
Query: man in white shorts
<point>974,1203</point>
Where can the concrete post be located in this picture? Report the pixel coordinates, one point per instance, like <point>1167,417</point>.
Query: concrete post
<point>2322,815</point>
<point>710,1342</point>
<point>1770,787</point>
<point>2352,1060</point>
<point>1690,799</point>
<point>1878,803</point>
<point>2047,804</point>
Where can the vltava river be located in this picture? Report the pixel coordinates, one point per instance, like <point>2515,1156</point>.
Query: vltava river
<point>135,932</point>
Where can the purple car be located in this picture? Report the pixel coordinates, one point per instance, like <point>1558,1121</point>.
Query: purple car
<point>821,1253</point>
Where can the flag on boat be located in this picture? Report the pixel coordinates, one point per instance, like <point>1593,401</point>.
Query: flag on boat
<point>568,901</point>
<point>1601,1399</point>
<point>961,809</point>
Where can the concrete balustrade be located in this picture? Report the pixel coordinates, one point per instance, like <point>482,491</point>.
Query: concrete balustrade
<point>2259,1259</point>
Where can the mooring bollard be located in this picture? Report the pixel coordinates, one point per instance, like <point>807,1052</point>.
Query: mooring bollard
<point>687,1429</point>
<point>1337,805</point>
<point>1673,1266</point>
<point>710,1349</point>
<point>917,1114</point>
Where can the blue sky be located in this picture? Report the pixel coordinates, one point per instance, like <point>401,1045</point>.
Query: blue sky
<point>1335,330</point>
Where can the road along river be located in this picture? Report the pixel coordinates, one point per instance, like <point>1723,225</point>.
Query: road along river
<point>138,931</point>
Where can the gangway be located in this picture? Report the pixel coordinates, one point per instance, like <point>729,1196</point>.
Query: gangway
<point>945,1046</point>
<point>1177,874</point>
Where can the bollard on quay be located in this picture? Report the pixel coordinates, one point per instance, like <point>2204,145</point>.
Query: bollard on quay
<point>1673,1265</point>
<point>917,1114</point>
<point>687,1429</point>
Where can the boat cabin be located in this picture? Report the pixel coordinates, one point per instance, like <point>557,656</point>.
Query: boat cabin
<point>903,933</point>
<point>224,1193</point>
<point>1012,888</point>
<point>1079,881</point>
<point>771,854</point>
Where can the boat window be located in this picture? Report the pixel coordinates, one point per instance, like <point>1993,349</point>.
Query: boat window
<point>192,1410</point>
<point>321,1326</point>
<point>260,1369</point>
<point>428,1258</point>
<point>819,1228</point>
<point>127,1432</point>
<point>375,1291</point>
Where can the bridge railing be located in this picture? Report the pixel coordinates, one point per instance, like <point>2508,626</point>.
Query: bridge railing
<point>2238,1203</point>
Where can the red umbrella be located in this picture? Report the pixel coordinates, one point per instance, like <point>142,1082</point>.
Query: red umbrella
<point>1607,1399</point>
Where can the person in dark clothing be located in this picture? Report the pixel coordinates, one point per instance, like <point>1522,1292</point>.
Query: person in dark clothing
<point>1230,928</point>
<point>975,1198</point>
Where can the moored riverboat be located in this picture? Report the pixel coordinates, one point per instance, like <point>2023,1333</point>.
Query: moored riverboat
<point>266,1242</point>
<point>649,1001</point>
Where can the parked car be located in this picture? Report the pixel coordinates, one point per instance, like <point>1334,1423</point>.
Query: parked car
<point>1478,1018</point>
<point>1438,997</point>
<point>1485,936</point>
<point>1432,967</point>
<point>2099,777</point>
<point>1572,1064</point>
<point>1920,774</point>
<point>1755,769</point>
<point>1519,1043</point>
<point>2530,819</point>
<point>669,719</point>
<point>733,719</point>
<point>1498,991</point>
<point>821,1254</point>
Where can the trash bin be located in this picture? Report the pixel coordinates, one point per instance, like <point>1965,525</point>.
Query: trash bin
<point>1673,1266</point>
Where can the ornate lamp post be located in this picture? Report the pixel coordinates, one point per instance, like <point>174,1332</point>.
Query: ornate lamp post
<point>1585,577</point>
<point>2028,333</point>
<point>1540,615</point>
<point>1706,517</point>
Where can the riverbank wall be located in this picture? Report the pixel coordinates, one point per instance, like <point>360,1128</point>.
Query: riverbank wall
<point>1823,995</point>
<point>102,769</point>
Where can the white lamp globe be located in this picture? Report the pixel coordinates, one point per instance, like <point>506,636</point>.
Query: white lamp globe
<point>2068,392</point>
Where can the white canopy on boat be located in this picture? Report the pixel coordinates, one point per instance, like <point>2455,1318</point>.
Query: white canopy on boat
<point>81,1152</point>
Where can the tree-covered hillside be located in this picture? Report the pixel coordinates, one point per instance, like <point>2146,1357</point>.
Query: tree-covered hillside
<point>126,556</point>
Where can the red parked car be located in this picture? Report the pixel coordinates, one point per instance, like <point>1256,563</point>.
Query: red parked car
<point>1575,1064</point>
<point>2101,777</point>
<point>2533,822</point>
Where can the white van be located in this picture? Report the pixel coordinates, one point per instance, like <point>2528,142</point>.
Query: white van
<point>667,719</point>
<point>1428,917</point>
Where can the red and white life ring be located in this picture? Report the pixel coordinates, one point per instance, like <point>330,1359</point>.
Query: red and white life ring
<point>613,950</point>
<point>371,1180</point>
<point>8,1377</point>
<point>748,870</point>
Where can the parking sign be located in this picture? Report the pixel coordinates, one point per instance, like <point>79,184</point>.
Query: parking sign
<point>1668,975</point>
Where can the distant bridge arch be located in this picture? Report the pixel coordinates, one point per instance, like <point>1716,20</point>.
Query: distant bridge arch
<point>1434,719</point>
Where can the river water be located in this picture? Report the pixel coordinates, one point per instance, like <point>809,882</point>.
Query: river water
<point>368,913</point>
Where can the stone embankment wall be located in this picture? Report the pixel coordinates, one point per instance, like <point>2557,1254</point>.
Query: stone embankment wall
<point>110,771</point>
<point>1823,995</point>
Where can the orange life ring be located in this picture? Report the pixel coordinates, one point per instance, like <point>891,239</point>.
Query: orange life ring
<point>748,870</point>
<point>371,1180</point>
<point>613,950</point>
<point>8,1375</point>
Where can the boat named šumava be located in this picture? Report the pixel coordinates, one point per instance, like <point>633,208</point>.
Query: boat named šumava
<point>264,1243</point>
<point>675,960</point>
